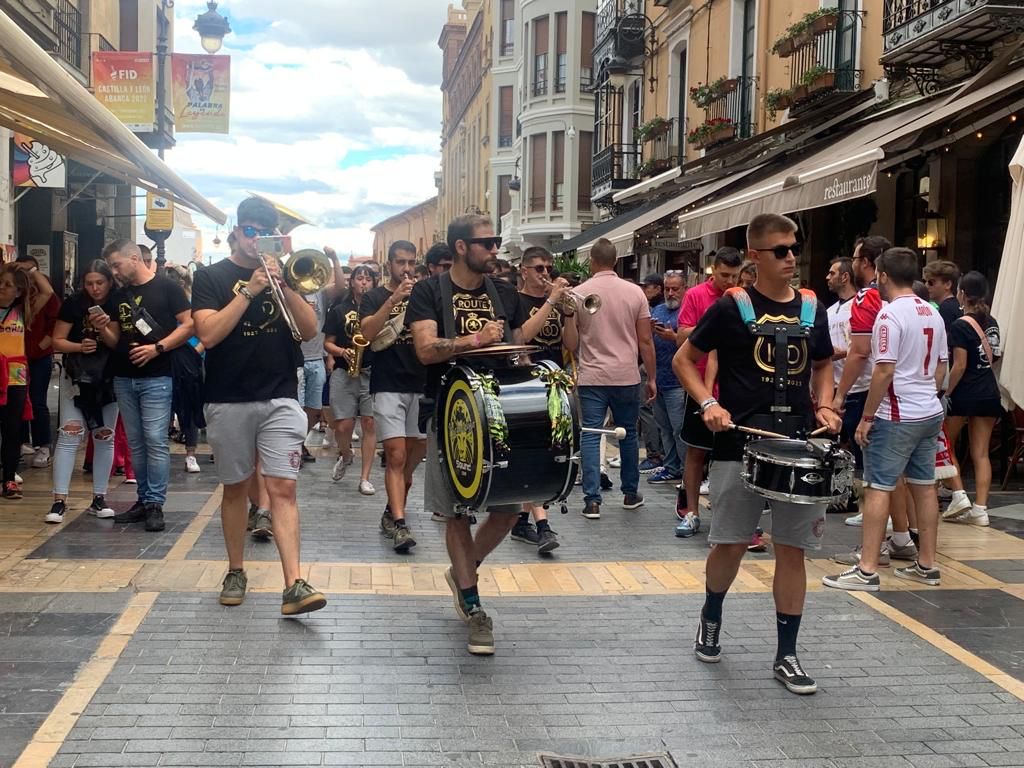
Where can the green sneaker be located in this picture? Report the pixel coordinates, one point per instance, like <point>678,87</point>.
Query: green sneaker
<point>460,608</point>
<point>403,539</point>
<point>233,591</point>
<point>387,523</point>
<point>251,524</point>
<point>300,597</point>
<point>481,634</point>
<point>262,527</point>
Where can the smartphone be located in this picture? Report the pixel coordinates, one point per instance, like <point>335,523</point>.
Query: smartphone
<point>95,309</point>
<point>277,246</point>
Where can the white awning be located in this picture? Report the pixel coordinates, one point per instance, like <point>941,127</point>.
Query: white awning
<point>40,99</point>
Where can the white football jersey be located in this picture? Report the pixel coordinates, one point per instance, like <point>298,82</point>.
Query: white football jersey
<point>910,333</point>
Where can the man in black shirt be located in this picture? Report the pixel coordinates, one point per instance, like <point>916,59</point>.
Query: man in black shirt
<point>942,277</point>
<point>438,259</point>
<point>251,390</point>
<point>477,323</point>
<point>154,317</point>
<point>747,385</point>
<point>396,385</point>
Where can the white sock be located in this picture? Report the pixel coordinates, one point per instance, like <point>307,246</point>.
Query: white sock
<point>978,508</point>
<point>901,539</point>
<point>959,495</point>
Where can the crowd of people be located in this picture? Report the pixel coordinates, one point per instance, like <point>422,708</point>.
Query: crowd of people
<point>895,368</point>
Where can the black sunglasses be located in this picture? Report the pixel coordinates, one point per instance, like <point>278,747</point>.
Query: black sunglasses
<point>542,268</point>
<point>250,231</point>
<point>490,243</point>
<point>782,251</point>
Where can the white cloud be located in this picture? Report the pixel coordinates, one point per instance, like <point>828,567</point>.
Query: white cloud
<point>334,113</point>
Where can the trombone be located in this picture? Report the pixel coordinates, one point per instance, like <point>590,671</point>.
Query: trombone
<point>306,272</point>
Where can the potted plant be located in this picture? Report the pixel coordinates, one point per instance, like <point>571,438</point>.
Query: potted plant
<point>823,20</point>
<point>702,95</point>
<point>712,132</point>
<point>777,99</point>
<point>818,78</point>
<point>652,129</point>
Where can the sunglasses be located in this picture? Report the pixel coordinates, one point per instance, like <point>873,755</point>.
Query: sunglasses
<point>250,231</point>
<point>782,251</point>
<point>491,243</point>
<point>673,272</point>
<point>542,268</point>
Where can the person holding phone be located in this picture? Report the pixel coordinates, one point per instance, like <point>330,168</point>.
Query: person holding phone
<point>668,405</point>
<point>85,334</point>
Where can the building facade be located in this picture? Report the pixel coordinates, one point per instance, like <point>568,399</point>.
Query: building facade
<point>417,225</point>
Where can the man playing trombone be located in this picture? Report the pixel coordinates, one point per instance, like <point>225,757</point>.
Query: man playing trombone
<point>249,328</point>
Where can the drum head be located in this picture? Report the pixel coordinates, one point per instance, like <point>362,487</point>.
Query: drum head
<point>779,451</point>
<point>463,436</point>
<point>496,350</point>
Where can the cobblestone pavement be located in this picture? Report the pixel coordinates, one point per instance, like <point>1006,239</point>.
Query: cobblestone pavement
<point>114,651</point>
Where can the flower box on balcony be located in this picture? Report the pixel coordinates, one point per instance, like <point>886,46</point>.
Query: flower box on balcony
<point>825,22</point>
<point>652,129</point>
<point>820,81</point>
<point>712,132</point>
<point>653,168</point>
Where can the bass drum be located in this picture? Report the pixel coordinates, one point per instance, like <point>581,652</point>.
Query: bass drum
<point>484,472</point>
<point>797,471</point>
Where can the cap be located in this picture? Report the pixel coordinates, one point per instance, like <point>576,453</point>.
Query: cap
<point>654,279</point>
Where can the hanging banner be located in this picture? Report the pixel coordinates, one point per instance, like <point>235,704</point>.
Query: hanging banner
<point>123,82</point>
<point>202,92</point>
<point>36,165</point>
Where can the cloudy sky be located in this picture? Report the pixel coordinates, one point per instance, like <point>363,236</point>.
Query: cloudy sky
<point>335,112</point>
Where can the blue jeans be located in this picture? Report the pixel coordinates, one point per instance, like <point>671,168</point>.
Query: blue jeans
<point>624,403</point>
<point>145,406</point>
<point>668,412</point>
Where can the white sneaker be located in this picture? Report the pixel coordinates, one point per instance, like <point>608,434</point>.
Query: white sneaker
<point>705,488</point>
<point>41,460</point>
<point>972,516</point>
<point>27,450</point>
<point>191,465</point>
<point>355,438</point>
<point>615,462</point>
<point>366,488</point>
<point>959,505</point>
<point>857,521</point>
<point>340,468</point>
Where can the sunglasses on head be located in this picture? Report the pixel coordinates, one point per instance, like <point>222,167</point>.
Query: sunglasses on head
<point>782,251</point>
<point>541,268</point>
<point>490,243</point>
<point>250,231</point>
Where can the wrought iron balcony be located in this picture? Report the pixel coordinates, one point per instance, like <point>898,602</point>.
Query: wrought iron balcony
<point>826,64</point>
<point>928,33</point>
<point>67,25</point>
<point>728,110</point>
<point>614,168</point>
<point>660,153</point>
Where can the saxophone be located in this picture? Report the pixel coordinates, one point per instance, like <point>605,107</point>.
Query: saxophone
<point>359,343</point>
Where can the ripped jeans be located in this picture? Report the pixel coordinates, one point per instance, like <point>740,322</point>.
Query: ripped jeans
<point>69,437</point>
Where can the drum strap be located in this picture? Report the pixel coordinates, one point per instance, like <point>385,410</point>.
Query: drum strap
<point>448,306</point>
<point>780,335</point>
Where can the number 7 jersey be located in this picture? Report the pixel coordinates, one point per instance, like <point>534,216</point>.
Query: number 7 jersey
<point>911,334</point>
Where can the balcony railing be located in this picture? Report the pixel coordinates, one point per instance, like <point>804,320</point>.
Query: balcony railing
<point>560,85</point>
<point>505,141</point>
<point>67,25</point>
<point>537,204</point>
<point>614,168</point>
<point>736,104</point>
<point>586,80</point>
<point>609,12</point>
<point>920,32</point>
<point>540,87</point>
<point>826,64</point>
<point>96,43</point>
<point>659,153</point>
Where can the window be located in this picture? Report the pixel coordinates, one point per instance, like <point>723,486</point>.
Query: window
<point>505,116</point>
<point>561,57</point>
<point>557,170</point>
<point>846,46</point>
<point>747,70</point>
<point>538,171</point>
<point>587,52</point>
<point>586,160</point>
<point>508,27</point>
<point>540,56</point>
<point>504,197</point>
<point>681,115</point>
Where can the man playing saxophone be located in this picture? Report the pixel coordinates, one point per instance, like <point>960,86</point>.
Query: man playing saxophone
<point>350,380</point>
<point>396,384</point>
<point>251,389</point>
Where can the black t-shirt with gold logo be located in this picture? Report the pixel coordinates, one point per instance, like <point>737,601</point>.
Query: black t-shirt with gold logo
<point>550,337</point>
<point>746,364</point>
<point>472,310</point>
<point>343,322</point>
<point>395,369</point>
<point>256,361</point>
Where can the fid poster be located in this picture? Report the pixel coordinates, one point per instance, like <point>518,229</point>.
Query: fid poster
<point>202,93</point>
<point>36,165</point>
<point>123,83</point>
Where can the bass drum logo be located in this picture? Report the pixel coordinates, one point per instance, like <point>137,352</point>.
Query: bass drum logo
<point>463,440</point>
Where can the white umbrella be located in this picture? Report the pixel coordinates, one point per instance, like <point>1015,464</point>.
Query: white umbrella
<point>1006,304</point>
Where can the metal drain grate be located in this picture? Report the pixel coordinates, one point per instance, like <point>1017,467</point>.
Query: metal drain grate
<point>659,760</point>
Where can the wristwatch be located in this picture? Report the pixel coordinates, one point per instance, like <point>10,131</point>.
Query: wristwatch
<point>707,404</point>
<point>244,290</point>
<point>159,348</point>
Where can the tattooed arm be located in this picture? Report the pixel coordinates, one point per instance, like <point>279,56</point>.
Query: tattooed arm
<point>432,350</point>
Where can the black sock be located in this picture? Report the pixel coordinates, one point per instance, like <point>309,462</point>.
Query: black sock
<point>400,522</point>
<point>524,517</point>
<point>788,626</point>
<point>712,610</point>
<point>470,598</point>
<point>542,525</point>
<point>915,537</point>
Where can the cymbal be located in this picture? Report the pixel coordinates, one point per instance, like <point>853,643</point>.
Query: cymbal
<point>500,350</point>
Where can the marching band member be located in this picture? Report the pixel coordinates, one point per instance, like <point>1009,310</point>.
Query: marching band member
<point>396,385</point>
<point>251,397</point>
<point>481,311</point>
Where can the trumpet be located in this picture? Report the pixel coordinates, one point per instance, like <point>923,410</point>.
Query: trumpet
<point>572,302</point>
<point>359,343</point>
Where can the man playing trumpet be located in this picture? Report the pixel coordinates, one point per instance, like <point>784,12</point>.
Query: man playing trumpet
<point>350,380</point>
<point>251,390</point>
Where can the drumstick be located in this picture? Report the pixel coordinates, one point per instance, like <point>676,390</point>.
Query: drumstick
<point>818,431</point>
<point>619,433</point>
<point>758,432</point>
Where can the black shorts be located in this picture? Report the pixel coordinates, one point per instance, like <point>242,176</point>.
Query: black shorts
<point>968,407</point>
<point>695,432</point>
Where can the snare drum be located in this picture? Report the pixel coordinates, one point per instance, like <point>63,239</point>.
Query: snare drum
<point>482,471</point>
<point>797,471</point>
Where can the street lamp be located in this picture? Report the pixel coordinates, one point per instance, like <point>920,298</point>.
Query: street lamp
<point>212,27</point>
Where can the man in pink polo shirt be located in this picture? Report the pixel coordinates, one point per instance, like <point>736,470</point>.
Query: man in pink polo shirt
<point>699,441</point>
<point>609,377</point>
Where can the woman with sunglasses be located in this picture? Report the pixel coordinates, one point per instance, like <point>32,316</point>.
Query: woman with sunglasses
<point>85,335</point>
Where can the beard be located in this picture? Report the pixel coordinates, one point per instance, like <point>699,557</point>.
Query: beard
<point>673,303</point>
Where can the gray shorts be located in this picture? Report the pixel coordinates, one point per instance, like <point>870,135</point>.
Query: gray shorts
<point>737,511</point>
<point>397,414</point>
<point>272,429</point>
<point>437,496</point>
<point>350,397</point>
